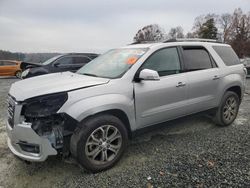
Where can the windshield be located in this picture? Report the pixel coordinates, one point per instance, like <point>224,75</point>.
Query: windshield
<point>50,60</point>
<point>112,64</point>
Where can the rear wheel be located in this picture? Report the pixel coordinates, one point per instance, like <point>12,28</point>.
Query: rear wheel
<point>101,142</point>
<point>18,74</point>
<point>228,109</point>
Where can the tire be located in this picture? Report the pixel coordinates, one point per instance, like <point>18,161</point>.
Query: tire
<point>95,151</point>
<point>18,74</point>
<point>228,109</point>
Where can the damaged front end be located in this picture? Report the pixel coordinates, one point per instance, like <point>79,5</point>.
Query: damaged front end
<point>50,127</point>
<point>38,130</point>
<point>41,112</point>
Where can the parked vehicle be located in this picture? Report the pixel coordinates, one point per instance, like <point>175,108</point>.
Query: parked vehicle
<point>246,62</point>
<point>61,63</point>
<point>10,68</point>
<point>93,112</point>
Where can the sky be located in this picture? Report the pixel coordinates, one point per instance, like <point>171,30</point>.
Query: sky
<point>95,26</point>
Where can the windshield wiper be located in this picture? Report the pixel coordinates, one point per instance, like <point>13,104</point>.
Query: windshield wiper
<point>88,74</point>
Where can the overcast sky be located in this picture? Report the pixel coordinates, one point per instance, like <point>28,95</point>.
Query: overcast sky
<point>86,26</point>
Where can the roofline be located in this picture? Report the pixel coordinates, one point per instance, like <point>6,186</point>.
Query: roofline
<point>179,40</point>
<point>79,54</point>
<point>192,40</point>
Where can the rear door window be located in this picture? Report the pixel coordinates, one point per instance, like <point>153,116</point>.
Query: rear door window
<point>227,54</point>
<point>197,58</point>
<point>81,60</point>
<point>64,61</point>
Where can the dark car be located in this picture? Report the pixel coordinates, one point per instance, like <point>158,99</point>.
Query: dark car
<point>61,63</point>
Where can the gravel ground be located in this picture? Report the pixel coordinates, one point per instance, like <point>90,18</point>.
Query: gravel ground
<point>189,152</point>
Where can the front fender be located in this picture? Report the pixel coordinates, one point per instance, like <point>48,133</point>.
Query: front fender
<point>37,71</point>
<point>80,110</point>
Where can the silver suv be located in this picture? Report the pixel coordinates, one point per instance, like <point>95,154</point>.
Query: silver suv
<point>92,113</point>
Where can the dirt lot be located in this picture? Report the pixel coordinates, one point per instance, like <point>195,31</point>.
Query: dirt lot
<point>190,152</point>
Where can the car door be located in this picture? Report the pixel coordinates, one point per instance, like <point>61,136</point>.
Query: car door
<point>8,68</point>
<point>78,62</point>
<point>1,68</point>
<point>158,101</point>
<point>203,78</point>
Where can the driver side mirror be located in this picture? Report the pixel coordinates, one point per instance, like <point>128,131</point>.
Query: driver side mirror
<point>57,64</point>
<point>148,74</point>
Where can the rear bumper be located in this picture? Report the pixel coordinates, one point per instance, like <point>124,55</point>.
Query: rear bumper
<point>23,133</point>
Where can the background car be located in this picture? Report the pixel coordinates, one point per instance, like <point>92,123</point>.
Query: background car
<point>61,63</point>
<point>10,68</point>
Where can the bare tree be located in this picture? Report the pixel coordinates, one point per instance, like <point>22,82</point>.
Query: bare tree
<point>240,33</point>
<point>190,35</point>
<point>176,32</point>
<point>226,22</point>
<point>151,32</point>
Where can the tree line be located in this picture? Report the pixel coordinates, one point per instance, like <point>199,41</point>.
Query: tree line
<point>28,57</point>
<point>6,55</point>
<point>233,29</point>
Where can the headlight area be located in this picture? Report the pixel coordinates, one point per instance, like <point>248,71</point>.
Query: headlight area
<point>41,112</point>
<point>43,106</point>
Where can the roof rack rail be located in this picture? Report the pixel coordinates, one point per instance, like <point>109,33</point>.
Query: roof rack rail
<point>143,42</point>
<point>190,40</point>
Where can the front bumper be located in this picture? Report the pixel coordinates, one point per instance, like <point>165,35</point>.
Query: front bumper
<point>23,133</point>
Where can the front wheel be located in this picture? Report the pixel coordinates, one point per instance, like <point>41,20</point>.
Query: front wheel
<point>101,142</point>
<point>228,109</point>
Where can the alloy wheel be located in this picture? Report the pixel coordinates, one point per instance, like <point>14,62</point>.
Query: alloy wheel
<point>230,109</point>
<point>103,144</point>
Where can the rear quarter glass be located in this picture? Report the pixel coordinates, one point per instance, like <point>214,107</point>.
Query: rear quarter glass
<point>227,54</point>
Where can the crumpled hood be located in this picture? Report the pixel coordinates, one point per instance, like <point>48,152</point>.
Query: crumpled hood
<point>52,83</point>
<point>26,65</point>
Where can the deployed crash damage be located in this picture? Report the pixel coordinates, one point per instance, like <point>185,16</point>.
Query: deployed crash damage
<point>35,128</point>
<point>26,65</point>
<point>40,114</point>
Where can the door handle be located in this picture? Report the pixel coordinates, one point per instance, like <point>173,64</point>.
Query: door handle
<point>216,77</point>
<point>181,84</point>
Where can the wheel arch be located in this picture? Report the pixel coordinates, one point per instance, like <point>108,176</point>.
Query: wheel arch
<point>236,89</point>
<point>117,113</point>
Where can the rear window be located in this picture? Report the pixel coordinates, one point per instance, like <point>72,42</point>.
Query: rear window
<point>7,63</point>
<point>227,54</point>
<point>80,60</point>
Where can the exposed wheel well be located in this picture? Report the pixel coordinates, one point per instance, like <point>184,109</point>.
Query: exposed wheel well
<point>236,89</point>
<point>119,114</point>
